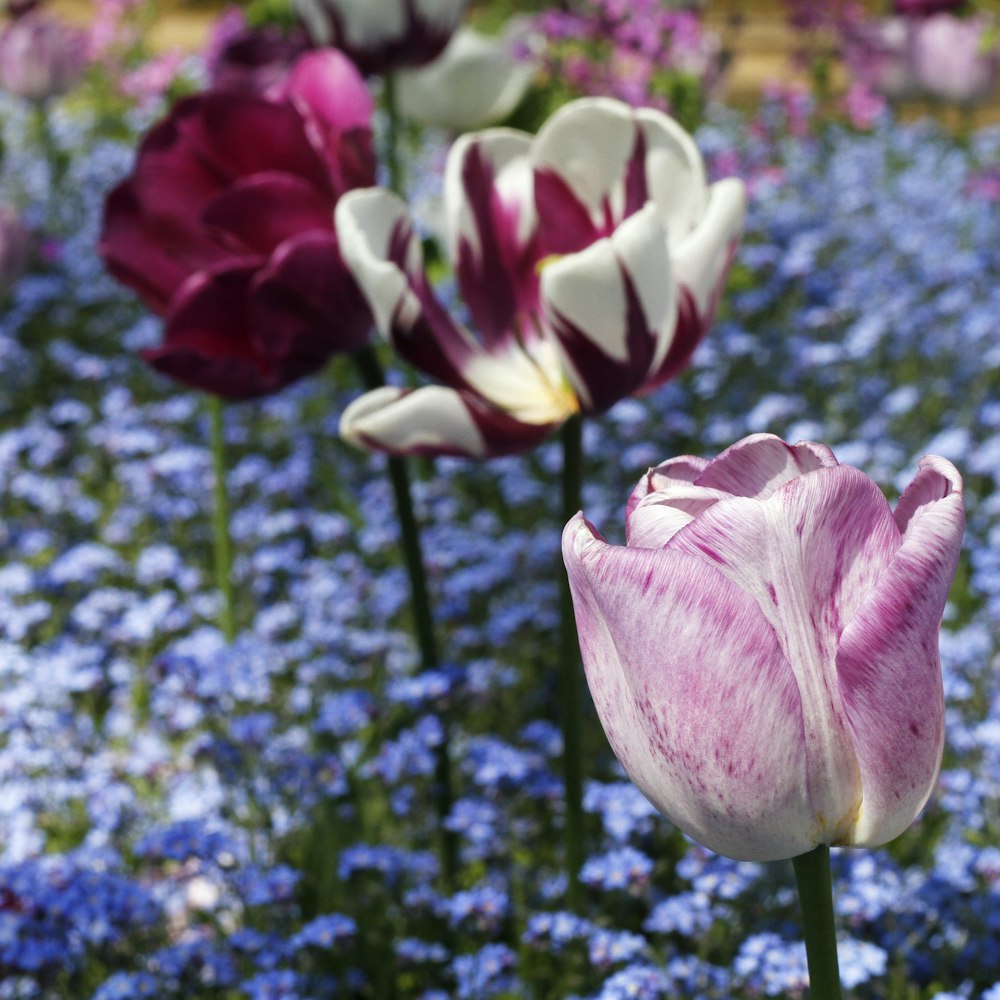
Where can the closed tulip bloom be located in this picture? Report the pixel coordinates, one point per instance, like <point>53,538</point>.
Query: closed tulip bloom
<point>956,59</point>
<point>763,652</point>
<point>589,258</point>
<point>40,57</point>
<point>382,36</point>
<point>225,227</point>
<point>476,81</point>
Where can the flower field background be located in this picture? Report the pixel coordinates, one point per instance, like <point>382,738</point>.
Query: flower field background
<point>182,817</point>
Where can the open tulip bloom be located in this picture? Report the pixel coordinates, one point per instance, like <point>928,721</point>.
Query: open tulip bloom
<point>589,258</point>
<point>763,652</point>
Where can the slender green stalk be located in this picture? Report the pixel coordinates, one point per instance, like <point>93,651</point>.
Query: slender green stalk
<point>399,476</point>
<point>220,522</point>
<point>569,674</point>
<point>812,876</point>
<point>393,160</point>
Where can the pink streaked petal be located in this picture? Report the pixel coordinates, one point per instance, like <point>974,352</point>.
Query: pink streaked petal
<point>257,213</point>
<point>935,480</point>
<point>759,464</point>
<point>888,662</point>
<point>703,256</point>
<point>808,555</point>
<point>589,144</point>
<point>657,517</point>
<point>606,306</point>
<point>491,226</point>
<point>681,471</point>
<point>383,253</point>
<point>694,694</point>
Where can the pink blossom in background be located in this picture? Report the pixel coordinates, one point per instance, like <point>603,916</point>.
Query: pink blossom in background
<point>110,31</point>
<point>151,80</point>
<point>763,652</point>
<point>984,184</point>
<point>863,106</point>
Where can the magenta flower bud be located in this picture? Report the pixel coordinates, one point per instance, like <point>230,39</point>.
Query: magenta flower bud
<point>382,36</point>
<point>763,652</point>
<point>40,57</point>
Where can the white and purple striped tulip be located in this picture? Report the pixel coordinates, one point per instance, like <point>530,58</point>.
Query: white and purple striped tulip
<point>763,652</point>
<point>589,259</point>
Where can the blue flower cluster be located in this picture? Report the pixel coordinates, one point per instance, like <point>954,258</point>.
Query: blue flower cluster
<point>181,817</point>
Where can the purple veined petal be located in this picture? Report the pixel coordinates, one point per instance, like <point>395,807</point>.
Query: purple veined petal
<point>490,220</point>
<point>681,471</point>
<point>607,307</point>
<point>382,251</point>
<point>759,464</point>
<point>703,256</point>
<point>808,555</point>
<point>257,213</point>
<point>435,420</point>
<point>695,695</point>
<point>675,173</point>
<point>888,661</point>
<point>589,145</point>
<point>657,517</point>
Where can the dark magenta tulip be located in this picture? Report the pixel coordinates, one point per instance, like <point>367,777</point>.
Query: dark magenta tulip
<point>225,228</point>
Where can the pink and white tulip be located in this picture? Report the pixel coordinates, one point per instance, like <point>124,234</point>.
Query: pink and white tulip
<point>763,652</point>
<point>590,260</point>
<point>954,59</point>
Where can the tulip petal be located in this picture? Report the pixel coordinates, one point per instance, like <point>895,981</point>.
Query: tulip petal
<point>888,662</point>
<point>433,421</point>
<point>657,517</point>
<point>608,306</point>
<point>702,258</point>
<point>808,555</point>
<point>695,695</point>
<point>257,213</point>
<point>759,464</point>
<point>306,305</point>
<point>491,222</point>
<point>383,252</point>
<point>151,253</point>
<point>589,145</point>
<point>682,470</point>
<point>675,174</point>
<point>206,341</point>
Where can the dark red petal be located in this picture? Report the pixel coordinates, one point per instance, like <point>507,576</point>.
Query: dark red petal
<point>258,213</point>
<point>305,306</point>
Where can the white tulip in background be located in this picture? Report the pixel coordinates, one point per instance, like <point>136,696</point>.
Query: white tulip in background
<point>478,80</point>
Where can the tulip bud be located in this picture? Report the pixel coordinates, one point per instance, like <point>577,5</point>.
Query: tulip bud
<point>40,57</point>
<point>763,652</point>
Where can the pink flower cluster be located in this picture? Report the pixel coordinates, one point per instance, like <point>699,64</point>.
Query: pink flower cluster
<point>629,50</point>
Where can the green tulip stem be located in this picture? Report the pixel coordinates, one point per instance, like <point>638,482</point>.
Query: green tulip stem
<point>812,876</point>
<point>220,522</point>
<point>569,674</point>
<point>372,376</point>
<point>393,137</point>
